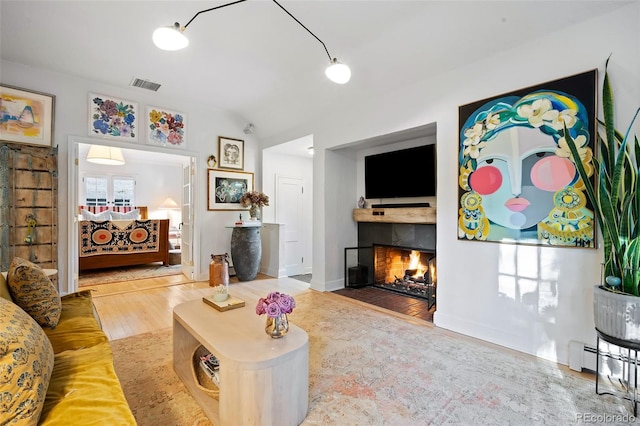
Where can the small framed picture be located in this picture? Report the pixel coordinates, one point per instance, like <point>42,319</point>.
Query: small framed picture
<point>230,153</point>
<point>26,116</point>
<point>224,189</point>
<point>113,118</point>
<point>166,127</point>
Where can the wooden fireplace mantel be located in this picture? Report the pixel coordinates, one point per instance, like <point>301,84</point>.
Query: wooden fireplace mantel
<point>420,215</point>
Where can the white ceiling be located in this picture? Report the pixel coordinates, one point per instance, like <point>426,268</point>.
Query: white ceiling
<point>297,148</point>
<point>254,60</point>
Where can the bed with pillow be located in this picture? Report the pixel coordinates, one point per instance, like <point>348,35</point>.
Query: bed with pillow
<point>120,236</point>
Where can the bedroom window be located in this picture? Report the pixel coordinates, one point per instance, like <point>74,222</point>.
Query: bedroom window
<point>96,191</point>
<point>123,191</point>
<point>104,191</point>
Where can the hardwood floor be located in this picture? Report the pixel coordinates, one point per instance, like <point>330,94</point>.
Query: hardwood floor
<point>148,307</point>
<point>135,285</point>
<point>390,300</point>
<point>125,314</point>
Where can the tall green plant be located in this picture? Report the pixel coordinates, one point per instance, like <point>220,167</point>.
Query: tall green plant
<point>617,200</point>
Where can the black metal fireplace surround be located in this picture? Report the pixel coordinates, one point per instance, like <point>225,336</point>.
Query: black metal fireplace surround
<point>395,257</point>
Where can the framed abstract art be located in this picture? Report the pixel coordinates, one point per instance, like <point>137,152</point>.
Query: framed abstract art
<point>517,180</point>
<point>225,187</point>
<point>113,118</point>
<point>26,116</point>
<point>166,127</point>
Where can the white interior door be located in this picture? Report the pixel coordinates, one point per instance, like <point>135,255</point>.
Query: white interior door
<point>188,173</point>
<point>72,244</point>
<point>289,211</point>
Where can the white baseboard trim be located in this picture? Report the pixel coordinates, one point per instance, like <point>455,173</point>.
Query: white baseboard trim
<point>334,285</point>
<point>327,286</point>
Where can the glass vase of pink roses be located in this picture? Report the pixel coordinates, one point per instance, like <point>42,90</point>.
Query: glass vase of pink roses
<point>276,306</point>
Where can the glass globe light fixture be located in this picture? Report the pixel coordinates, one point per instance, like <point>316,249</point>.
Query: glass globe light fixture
<point>338,72</point>
<point>170,38</point>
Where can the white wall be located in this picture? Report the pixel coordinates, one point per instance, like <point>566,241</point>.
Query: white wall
<point>533,299</point>
<point>340,198</point>
<point>205,125</point>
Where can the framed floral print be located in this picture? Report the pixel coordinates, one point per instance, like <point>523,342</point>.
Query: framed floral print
<point>166,127</point>
<point>518,181</point>
<point>113,118</point>
<point>225,187</point>
<point>230,153</point>
<point>26,116</point>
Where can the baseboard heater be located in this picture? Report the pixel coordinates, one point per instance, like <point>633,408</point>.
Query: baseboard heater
<point>583,357</point>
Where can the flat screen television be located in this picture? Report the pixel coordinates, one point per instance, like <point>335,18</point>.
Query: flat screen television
<point>404,173</point>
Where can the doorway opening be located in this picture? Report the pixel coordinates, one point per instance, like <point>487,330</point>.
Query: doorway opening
<point>287,174</point>
<point>158,189</point>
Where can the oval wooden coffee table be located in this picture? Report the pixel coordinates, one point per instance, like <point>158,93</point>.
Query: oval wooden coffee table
<point>263,381</point>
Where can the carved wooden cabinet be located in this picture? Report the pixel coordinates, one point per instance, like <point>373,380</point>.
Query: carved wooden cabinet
<point>28,204</point>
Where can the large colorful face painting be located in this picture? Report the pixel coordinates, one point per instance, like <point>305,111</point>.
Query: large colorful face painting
<point>517,179</point>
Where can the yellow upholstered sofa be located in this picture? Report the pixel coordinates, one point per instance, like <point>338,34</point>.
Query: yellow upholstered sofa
<point>72,361</point>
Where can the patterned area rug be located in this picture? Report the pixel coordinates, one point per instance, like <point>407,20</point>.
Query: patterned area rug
<point>154,392</point>
<point>127,273</point>
<point>370,368</point>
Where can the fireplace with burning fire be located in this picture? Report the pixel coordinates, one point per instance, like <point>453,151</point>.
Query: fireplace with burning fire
<point>405,270</point>
<point>400,257</point>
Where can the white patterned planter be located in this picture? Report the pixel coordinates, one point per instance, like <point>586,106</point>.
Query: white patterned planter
<point>616,314</point>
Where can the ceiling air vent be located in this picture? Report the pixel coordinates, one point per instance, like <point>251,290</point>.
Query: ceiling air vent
<point>145,84</point>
